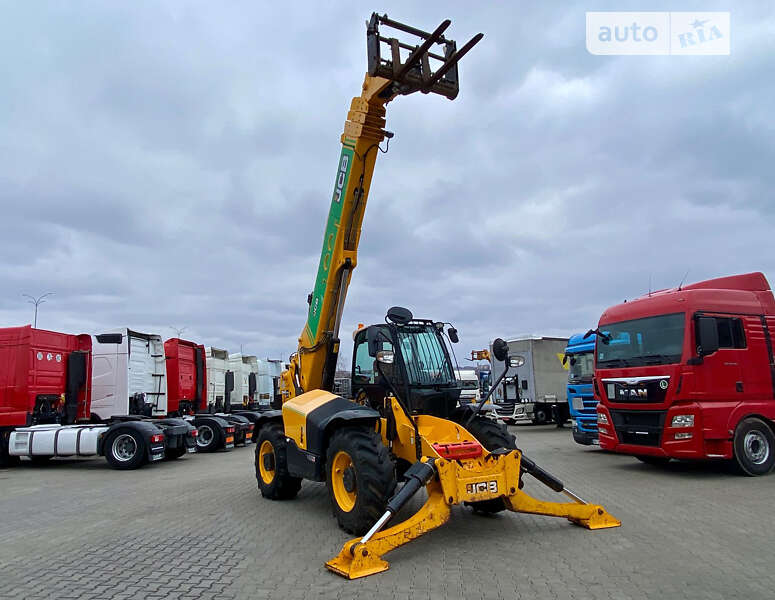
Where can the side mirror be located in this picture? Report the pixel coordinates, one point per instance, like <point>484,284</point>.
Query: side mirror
<point>500,349</point>
<point>452,333</point>
<point>707,336</point>
<point>386,357</point>
<point>372,341</point>
<point>564,359</point>
<point>516,361</point>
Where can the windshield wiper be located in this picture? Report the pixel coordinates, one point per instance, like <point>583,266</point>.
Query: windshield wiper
<point>656,359</point>
<point>613,362</point>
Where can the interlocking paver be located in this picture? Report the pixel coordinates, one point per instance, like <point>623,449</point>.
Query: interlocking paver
<point>198,529</point>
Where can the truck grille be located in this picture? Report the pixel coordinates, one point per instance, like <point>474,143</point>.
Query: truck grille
<point>641,427</point>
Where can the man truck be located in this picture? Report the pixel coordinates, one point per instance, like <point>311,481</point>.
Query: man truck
<point>47,382</point>
<point>689,373</point>
<point>580,360</point>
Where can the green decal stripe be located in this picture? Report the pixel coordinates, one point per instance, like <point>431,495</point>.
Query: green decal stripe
<point>329,240</point>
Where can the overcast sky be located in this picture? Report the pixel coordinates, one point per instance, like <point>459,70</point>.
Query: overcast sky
<point>170,163</point>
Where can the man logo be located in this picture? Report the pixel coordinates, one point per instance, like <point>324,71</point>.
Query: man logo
<point>634,392</point>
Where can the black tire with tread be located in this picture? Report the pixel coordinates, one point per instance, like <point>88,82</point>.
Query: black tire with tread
<point>217,441</point>
<point>744,464</point>
<point>137,461</point>
<point>492,436</point>
<point>283,486</point>
<point>6,460</point>
<point>173,453</point>
<point>375,477</point>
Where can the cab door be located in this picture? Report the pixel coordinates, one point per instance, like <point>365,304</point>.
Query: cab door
<point>720,378</point>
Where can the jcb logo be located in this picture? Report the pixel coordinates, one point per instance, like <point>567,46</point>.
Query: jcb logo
<point>482,486</point>
<point>341,177</point>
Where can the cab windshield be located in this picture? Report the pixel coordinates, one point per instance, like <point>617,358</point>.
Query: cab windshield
<point>581,367</point>
<point>427,362</point>
<point>650,341</point>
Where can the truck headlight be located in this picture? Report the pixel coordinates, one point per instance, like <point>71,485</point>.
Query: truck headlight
<point>577,402</point>
<point>602,419</point>
<point>682,421</point>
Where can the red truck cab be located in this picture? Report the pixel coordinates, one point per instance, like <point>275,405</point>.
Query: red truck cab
<point>688,373</point>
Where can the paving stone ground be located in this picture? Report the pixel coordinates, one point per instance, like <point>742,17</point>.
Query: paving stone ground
<point>198,529</point>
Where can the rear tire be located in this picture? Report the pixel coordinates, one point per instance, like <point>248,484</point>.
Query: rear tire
<point>174,453</point>
<point>754,447</point>
<point>274,481</point>
<point>6,460</point>
<point>492,436</point>
<point>125,449</point>
<point>539,416</point>
<point>360,477</point>
<point>208,437</point>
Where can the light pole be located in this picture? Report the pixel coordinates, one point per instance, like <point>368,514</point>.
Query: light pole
<point>178,330</point>
<point>37,302</point>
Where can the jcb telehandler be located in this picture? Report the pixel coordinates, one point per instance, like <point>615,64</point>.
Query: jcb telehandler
<point>404,421</point>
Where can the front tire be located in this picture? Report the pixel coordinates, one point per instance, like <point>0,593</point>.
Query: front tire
<point>125,449</point>
<point>754,447</point>
<point>360,477</point>
<point>271,462</point>
<point>492,436</point>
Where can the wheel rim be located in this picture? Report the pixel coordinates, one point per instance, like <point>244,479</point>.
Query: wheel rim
<point>343,481</point>
<point>265,450</point>
<point>205,437</point>
<point>124,447</point>
<point>757,449</point>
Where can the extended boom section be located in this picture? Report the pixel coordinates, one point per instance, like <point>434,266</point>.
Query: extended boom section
<point>395,68</point>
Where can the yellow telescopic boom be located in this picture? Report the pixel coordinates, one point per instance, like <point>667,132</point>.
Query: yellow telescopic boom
<point>403,69</point>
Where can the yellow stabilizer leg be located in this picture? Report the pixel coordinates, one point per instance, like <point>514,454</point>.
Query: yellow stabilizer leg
<point>591,516</point>
<point>359,560</point>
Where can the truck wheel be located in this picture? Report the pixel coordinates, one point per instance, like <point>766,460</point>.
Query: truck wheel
<point>360,477</point>
<point>492,436</point>
<point>754,446</point>
<point>173,453</point>
<point>208,438</point>
<point>125,449</point>
<point>539,416</point>
<point>272,475</point>
<point>6,460</point>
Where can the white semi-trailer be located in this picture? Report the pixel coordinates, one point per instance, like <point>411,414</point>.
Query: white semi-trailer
<point>536,391</point>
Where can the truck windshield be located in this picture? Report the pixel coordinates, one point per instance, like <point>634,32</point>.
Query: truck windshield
<point>649,341</point>
<point>426,361</point>
<point>581,367</point>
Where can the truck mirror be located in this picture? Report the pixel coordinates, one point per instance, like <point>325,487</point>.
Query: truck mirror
<point>564,359</point>
<point>516,361</point>
<point>452,333</point>
<point>707,336</point>
<point>500,349</point>
<point>372,335</point>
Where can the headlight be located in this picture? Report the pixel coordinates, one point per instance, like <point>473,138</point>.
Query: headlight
<point>682,421</point>
<point>577,402</point>
<point>602,419</point>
